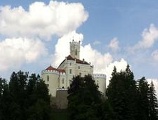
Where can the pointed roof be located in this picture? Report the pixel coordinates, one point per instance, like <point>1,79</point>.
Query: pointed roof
<point>52,68</point>
<point>77,60</point>
<point>70,57</point>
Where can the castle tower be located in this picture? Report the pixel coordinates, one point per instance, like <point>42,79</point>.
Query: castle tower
<point>75,49</point>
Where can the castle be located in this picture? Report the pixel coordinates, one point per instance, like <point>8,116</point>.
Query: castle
<point>59,79</point>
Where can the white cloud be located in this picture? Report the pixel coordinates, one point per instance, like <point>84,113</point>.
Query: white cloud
<point>149,37</point>
<point>120,65</point>
<point>155,55</point>
<point>99,60</point>
<point>155,82</point>
<point>16,51</point>
<point>114,44</point>
<point>41,20</point>
<point>62,49</point>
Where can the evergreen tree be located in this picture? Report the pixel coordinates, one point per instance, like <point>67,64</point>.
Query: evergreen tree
<point>17,87</point>
<point>38,99</point>
<point>153,103</point>
<point>121,94</point>
<point>143,101</point>
<point>3,99</point>
<point>29,97</point>
<point>84,99</point>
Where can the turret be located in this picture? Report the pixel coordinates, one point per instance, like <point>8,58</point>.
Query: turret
<point>75,49</point>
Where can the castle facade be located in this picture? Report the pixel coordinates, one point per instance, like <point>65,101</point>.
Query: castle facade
<point>60,78</point>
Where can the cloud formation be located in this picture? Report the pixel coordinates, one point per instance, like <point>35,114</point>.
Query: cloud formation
<point>23,30</point>
<point>114,45</point>
<point>41,20</point>
<point>149,37</point>
<point>16,51</point>
<point>120,65</point>
<point>99,60</point>
<point>62,49</point>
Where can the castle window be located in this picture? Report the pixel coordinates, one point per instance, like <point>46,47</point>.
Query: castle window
<point>70,64</point>
<point>70,71</point>
<point>78,67</point>
<point>47,78</point>
<point>76,52</point>
<point>63,81</point>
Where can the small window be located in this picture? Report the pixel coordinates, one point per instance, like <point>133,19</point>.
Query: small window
<point>76,52</point>
<point>63,81</point>
<point>78,67</point>
<point>47,78</point>
<point>70,64</point>
<point>70,71</point>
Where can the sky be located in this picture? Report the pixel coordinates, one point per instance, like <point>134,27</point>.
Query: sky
<point>36,34</point>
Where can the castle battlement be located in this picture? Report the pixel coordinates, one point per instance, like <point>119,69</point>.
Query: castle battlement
<point>99,75</point>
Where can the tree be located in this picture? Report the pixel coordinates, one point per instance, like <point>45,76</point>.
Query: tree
<point>121,94</point>
<point>143,101</point>
<point>4,100</point>
<point>153,103</point>
<point>38,99</point>
<point>84,99</point>
<point>17,87</point>
<point>30,97</point>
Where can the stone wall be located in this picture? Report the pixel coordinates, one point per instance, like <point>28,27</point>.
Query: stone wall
<point>61,99</point>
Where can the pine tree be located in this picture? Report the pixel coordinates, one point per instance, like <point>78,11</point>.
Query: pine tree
<point>143,101</point>
<point>121,94</point>
<point>17,88</point>
<point>153,103</point>
<point>3,100</point>
<point>38,99</point>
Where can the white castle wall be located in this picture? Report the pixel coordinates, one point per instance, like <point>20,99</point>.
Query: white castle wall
<point>52,80</point>
<point>72,67</point>
<point>100,80</point>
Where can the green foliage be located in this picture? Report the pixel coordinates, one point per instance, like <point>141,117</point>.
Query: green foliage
<point>153,103</point>
<point>24,98</point>
<point>131,100</point>
<point>121,94</point>
<point>27,98</point>
<point>5,101</point>
<point>59,114</point>
<point>143,101</point>
<point>84,99</point>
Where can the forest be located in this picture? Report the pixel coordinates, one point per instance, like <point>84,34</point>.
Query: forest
<point>26,97</point>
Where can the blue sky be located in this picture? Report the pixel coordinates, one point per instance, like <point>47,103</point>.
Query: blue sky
<point>112,33</point>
